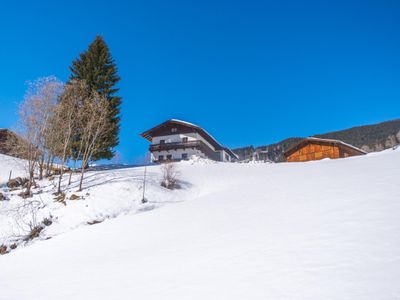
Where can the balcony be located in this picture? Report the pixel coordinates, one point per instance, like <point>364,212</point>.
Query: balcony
<point>200,145</point>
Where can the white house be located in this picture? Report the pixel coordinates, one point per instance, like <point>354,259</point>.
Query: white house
<point>180,140</point>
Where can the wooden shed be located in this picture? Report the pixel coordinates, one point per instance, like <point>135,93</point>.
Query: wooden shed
<point>5,140</point>
<point>315,149</point>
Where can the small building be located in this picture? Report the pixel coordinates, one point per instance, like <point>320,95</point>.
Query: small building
<point>176,140</point>
<point>314,149</point>
<point>7,139</point>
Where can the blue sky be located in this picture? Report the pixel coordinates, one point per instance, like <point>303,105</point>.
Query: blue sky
<point>249,72</point>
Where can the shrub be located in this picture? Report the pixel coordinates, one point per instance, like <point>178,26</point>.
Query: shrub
<point>60,197</point>
<point>17,182</point>
<point>3,249</point>
<point>74,197</point>
<point>34,233</point>
<point>170,176</point>
<point>25,194</point>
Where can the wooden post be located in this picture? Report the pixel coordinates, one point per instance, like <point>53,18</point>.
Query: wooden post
<point>9,177</point>
<point>144,200</point>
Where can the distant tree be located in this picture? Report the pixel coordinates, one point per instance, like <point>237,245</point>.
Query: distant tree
<point>96,66</point>
<point>117,158</point>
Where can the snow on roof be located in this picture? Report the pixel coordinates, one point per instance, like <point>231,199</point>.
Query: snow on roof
<point>194,125</point>
<point>335,141</point>
<point>183,122</point>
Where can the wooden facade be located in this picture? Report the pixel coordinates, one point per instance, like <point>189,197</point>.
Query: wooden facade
<point>7,137</point>
<point>316,149</point>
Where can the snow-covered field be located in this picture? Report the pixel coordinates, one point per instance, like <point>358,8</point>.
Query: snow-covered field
<point>318,230</point>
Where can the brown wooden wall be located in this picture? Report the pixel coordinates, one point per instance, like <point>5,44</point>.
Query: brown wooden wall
<point>314,152</point>
<point>4,136</point>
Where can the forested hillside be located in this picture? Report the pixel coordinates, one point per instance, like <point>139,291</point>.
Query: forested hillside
<point>370,138</point>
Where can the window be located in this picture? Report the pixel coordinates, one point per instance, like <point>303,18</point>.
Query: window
<point>174,129</point>
<point>184,156</point>
<point>227,157</point>
<point>169,157</point>
<point>184,140</point>
<point>160,157</point>
<point>162,141</point>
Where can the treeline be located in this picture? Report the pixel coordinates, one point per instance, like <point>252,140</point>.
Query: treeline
<point>371,138</point>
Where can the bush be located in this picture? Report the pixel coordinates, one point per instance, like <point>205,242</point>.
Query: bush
<point>3,249</point>
<point>17,182</point>
<point>74,197</point>
<point>170,176</point>
<point>34,233</point>
<point>25,194</point>
<point>60,197</point>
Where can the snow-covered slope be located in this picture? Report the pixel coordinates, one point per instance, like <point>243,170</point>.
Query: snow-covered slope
<point>316,230</point>
<point>10,164</point>
<point>107,194</point>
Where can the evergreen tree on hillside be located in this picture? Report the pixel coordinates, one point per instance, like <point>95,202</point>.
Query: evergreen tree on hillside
<point>96,66</point>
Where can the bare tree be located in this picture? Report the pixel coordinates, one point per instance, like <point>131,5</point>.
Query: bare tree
<point>35,113</point>
<point>170,176</point>
<point>94,125</point>
<point>66,122</point>
<point>60,126</point>
<point>46,92</point>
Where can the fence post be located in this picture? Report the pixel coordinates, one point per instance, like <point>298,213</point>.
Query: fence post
<point>144,200</point>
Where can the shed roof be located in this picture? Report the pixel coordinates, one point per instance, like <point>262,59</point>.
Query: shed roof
<point>305,141</point>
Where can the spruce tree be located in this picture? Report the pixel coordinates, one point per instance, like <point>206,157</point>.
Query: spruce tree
<point>97,67</point>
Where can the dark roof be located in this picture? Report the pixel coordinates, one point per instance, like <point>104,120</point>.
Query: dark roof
<point>148,134</point>
<point>308,140</point>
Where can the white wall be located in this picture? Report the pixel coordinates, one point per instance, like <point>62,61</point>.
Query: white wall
<point>222,154</point>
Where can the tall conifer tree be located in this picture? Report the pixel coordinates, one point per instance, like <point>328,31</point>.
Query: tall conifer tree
<point>97,67</point>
